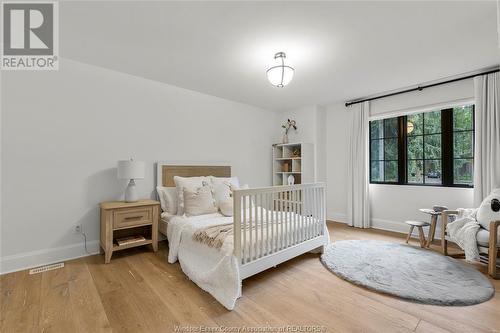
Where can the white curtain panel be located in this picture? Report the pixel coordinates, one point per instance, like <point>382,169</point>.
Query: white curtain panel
<point>358,205</point>
<point>487,137</point>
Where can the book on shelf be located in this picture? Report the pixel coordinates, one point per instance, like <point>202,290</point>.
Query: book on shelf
<point>130,240</point>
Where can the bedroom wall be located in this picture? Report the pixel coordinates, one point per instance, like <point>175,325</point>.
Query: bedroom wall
<point>64,131</point>
<point>390,205</point>
<point>311,128</point>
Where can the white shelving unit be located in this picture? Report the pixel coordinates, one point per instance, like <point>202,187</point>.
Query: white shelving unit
<point>295,159</point>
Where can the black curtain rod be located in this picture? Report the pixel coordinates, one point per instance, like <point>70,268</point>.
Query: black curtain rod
<point>420,88</point>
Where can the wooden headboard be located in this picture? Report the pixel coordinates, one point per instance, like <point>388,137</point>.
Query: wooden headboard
<point>166,171</point>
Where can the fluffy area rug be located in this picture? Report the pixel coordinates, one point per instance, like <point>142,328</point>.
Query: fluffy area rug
<point>407,272</point>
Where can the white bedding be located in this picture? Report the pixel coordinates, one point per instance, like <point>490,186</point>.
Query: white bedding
<point>214,270</point>
<point>165,218</point>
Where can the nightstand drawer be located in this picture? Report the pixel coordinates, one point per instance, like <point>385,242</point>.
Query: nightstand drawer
<point>124,218</point>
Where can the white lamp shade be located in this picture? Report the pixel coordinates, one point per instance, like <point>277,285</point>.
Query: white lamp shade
<point>130,169</point>
<point>280,76</point>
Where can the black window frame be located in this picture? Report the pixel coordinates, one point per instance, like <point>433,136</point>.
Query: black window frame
<point>447,151</point>
<point>452,143</point>
<point>384,160</point>
<point>424,158</point>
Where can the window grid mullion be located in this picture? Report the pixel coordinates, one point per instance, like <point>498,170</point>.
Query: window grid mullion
<point>423,149</point>
<point>383,151</point>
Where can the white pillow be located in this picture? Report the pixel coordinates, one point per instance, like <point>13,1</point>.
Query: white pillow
<point>168,199</point>
<point>226,207</point>
<point>200,201</point>
<point>222,187</point>
<point>485,214</point>
<point>191,183</point>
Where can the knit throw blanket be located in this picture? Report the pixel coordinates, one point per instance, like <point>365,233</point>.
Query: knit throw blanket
<point>214,236</point>
<point>463,232</point>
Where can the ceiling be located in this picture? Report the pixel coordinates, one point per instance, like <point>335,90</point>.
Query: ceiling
<point>340,50</point>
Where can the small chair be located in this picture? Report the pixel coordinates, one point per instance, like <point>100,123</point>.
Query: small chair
<point>420,225</point>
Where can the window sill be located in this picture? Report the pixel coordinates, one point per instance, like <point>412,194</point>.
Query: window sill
<point>424,185</point>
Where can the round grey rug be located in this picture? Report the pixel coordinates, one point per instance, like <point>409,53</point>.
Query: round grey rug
<point>408,272</point>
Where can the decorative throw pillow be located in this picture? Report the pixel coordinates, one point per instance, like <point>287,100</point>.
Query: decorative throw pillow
<point>168,199</point>
<point>200,201</point>
<point>226,207</point>
<point>222,187</point>
<point>485,214</point>
<point>186,182</point>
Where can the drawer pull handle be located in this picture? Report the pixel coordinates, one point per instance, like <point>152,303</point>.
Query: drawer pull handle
<point>133,217</point>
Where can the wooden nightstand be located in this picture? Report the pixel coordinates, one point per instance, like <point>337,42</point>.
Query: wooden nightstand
<point>122,219</point>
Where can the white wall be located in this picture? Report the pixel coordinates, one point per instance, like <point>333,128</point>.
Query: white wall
<point>311,128</point>
<point>64,131</point>
<point>390,205</point>
<point>431,96</point>
<point>338,123</point>
<point>320,143</point>
<point>306,124</point>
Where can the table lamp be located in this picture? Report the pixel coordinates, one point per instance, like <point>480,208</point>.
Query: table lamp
<point>132,170</point>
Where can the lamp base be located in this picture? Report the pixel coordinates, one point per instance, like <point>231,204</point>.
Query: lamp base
<point>131,193</point>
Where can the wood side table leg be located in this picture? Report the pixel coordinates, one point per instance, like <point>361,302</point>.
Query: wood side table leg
<point>421,235</point>
<point>154,228</point>
<point>444,242</point>
<point>107,257</point>
<point>432,230</point>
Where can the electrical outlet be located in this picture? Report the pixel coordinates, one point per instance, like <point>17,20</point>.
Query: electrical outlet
<point>78,229</point>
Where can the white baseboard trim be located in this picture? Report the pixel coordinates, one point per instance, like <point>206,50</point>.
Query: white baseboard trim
<point>401,227</point>
<point>337,217</point>
<point>387,225</point>
<point>21,261</point>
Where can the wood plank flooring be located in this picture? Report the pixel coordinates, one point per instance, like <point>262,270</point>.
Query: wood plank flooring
<point>140,292</point>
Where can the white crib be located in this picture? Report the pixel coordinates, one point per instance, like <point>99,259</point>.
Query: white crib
<point>275,224</point>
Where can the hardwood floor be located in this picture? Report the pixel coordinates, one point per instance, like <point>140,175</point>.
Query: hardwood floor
<point>140,292</point>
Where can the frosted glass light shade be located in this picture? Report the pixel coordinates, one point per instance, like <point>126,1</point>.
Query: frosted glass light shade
<point>130,169</point>
<point>280,75</point>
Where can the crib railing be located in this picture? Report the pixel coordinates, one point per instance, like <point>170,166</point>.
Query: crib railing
<point>271,220</point>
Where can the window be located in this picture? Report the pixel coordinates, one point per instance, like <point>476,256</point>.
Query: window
<point>423,148</point>
<point>384,136</point>
<point>432,148</point>
<point>463,145</point>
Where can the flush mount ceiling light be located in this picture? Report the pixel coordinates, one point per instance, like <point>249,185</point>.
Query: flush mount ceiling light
<point>280,75</point>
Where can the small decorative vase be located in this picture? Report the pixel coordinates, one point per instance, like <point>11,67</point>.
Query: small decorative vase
<point>285,138</point>
<point>291,180</point>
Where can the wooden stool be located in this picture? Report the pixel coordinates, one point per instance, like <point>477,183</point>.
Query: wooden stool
<point>419,225</point>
